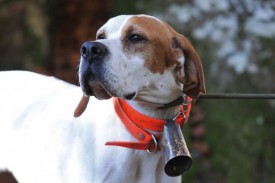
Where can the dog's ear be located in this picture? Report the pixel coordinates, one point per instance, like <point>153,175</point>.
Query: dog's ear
<point>191,73</point>
<point>81,106</point>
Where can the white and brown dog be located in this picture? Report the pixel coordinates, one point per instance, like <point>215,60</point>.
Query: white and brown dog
<point>138,59</point>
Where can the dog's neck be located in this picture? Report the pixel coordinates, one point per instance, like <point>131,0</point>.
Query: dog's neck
<point>153,110</point>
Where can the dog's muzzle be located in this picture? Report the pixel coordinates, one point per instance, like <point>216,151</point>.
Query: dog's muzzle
<point>91,69</point>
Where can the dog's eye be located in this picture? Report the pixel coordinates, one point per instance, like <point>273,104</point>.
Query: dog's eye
<point>100,36</point>
<point>136,38</point>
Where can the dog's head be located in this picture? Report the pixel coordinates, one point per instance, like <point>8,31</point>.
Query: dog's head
<point>140,57</point>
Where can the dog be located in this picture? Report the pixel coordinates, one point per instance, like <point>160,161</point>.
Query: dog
<point>137,61</point>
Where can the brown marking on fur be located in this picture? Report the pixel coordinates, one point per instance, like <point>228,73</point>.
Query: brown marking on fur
<point>162,48</point>
<point>156,48</point>
<point>193,81</point>
<point>7,177</point>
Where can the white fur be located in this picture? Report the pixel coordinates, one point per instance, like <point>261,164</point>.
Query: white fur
<point>40,141</point>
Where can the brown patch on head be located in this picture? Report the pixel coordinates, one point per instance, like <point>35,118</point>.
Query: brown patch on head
<point>193,78</point>
<point>161,48</point>
<point>155,46</point>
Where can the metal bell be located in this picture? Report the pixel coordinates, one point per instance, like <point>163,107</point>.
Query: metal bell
<point>175,152</point>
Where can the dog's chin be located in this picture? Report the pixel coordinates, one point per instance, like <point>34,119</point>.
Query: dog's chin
<point>104,94</point>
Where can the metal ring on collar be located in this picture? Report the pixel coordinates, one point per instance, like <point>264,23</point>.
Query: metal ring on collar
<point>185,100</point>
<point>155,143</point>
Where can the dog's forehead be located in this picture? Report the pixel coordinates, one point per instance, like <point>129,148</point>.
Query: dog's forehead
<point>114,27</point>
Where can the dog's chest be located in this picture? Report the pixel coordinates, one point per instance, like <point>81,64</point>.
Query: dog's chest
<point>117,164</point>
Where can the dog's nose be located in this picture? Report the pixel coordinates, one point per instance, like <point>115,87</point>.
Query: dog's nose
<point>92,50</point>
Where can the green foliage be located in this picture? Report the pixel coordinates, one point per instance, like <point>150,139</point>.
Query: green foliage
<point>240,140</point>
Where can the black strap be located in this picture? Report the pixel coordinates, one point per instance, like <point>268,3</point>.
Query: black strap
<point>176,102</point>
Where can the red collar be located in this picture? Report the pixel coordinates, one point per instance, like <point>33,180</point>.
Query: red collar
<point>138,125</point>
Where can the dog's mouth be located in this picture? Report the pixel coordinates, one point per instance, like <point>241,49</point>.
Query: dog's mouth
<point>100,92</point>
<point>98,85</point>
<point>93,88</point>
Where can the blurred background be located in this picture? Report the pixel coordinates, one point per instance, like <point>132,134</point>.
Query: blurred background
<point>231,141</point>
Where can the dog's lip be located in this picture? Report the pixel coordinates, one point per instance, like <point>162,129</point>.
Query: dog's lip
<point>100,92</point>
<point>130,96</point>
<point>87,89</point>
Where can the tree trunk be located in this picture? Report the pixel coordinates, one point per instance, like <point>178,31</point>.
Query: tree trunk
<point>73,23</point>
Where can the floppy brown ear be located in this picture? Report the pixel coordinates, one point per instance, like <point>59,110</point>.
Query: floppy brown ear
<point>81,106</point>
<point>193,77</point>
